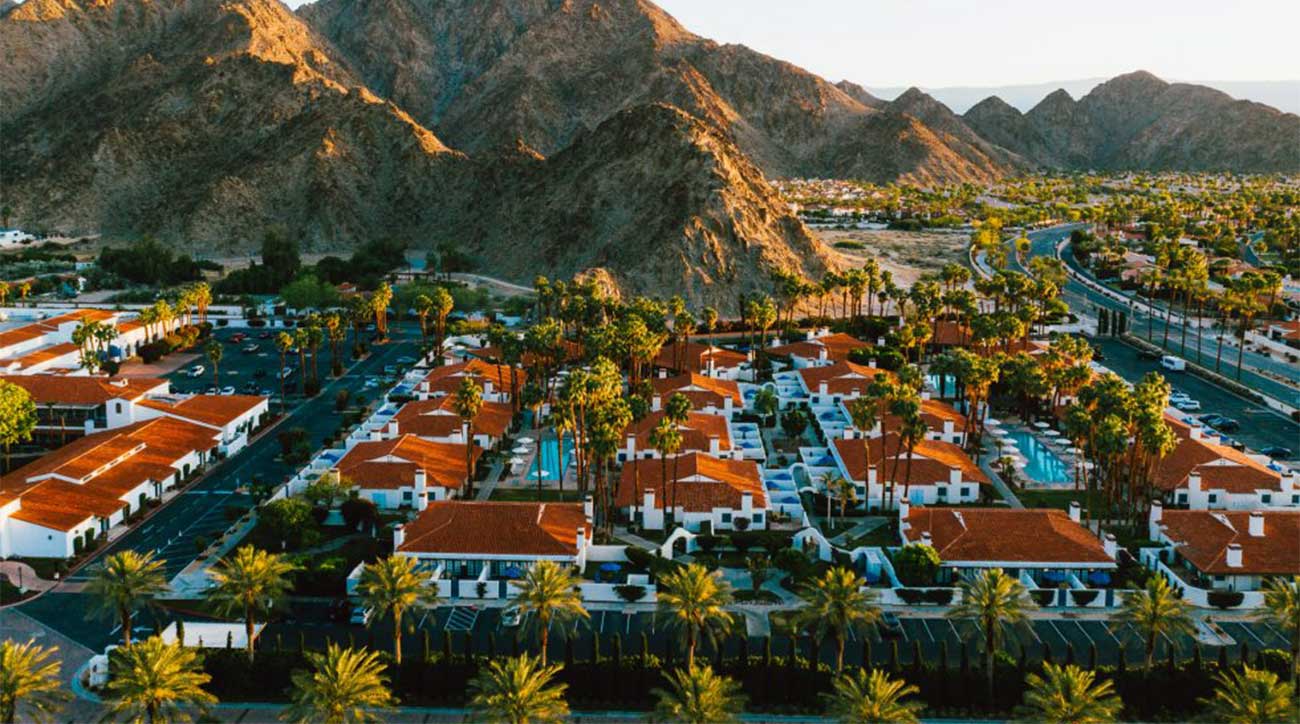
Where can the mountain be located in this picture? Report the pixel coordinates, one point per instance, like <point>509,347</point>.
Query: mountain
<point>206,123</point>
<point>485,72</point>
<point>1138,121</point>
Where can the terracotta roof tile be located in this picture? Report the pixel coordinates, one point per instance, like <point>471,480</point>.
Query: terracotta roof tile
<point>447,379</point>
<point>89,391</point>
<point>496,528</point>
<point>694,357</point>
<point>841,378</point>
<point>837,347</point>
<point>391,464</point>
<point>1220,466</point>
<point>696,431</point>
<point>973,535</point>
<point>436,417</point>
<point>702,391</point>
<point>1202,537</point>
<point>932,462</point>
<point>720,483</point>
<point>216,410</point>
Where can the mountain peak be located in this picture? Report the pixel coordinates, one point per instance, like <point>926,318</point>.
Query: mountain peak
<point>990,106</point>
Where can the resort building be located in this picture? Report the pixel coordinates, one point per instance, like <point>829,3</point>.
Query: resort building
<point>818,350</point>
<point>700,433</point>
<point>406,471</point>
<point>45,343</point>
<point>496,380</point>
<point>837,382</point>
<point>1047,547</point>
<point>707,360</point>
<point>1203,474</point>
<point>436,419</point>
<point>936,472</point>
<point>1228,550</point>
<point>707,394</point>
<point>69,406</point>
<point>698,488</point>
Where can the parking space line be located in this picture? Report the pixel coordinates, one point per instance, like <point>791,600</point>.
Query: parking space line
<point>926,627</point>
<point>1252,634</point>
<point>1276,634</point>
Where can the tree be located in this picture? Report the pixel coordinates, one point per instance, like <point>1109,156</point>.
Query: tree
<point>1282,610</point>
<point>467,404</point>
<point>518,690</point>
<point>765,403</point>
<point>995,602</point>
<point>1250,696</point>
<point>343,685</point>
<point>442,304</point>
<point>126,582</point>
<point>249,583</point>
<point>1069,695</point>
<point>917,564</point>
<point>695,602</point>
<point>283,343</point>
<point>17,416</point>
<point>29,680</point>
<point>289,519</point>
<point>666,439</point>
<point>393,586</point>
<point>379,306</point>
<point>872,697</point>
<point>835,604</point>
<point>759,567</point>
<point>155,682</point>
<point>1155,611</point>
<point>696,695</point>
<point>214,352</point>
<point>547,591</point>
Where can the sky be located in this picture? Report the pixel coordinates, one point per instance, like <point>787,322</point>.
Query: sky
<point>935,43</point>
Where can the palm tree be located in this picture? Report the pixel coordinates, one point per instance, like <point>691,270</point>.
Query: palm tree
<point>343,685</point>
<point>841,489</point>
<point>696,695</point>
<point>153,681</point>
<point>995,602</point>
<point>548,592</point>
<point>695,601</point>
<point>393,586</point>
<point>1250,696</point>
<point>837,603</point>
<point>518,690</point>
<point>214,353</point>
<point>1069,695</point>
<point>1153,612</point>
<point>1282,609</point>
<point>873,697</point>
<point>126,582</point>
<point>30,679</point>
<point>249,583</point>
<point>467,403</point>
<point>283,343</point>
<point>666,439</point>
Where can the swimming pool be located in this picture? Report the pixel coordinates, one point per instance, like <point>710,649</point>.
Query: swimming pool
<point>1041,463</point>
<point>553,465</point>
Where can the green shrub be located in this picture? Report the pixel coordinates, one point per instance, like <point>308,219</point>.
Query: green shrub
<point>939,596</point>
<point>911,596</point>
<point>917,564</point>
<point>1043,596</point>
<point>1225,599</point>
<point>630,593</point>
<point>1083,597</point>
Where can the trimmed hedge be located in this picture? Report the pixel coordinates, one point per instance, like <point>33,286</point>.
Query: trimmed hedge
<point>1225,599</point>
<point>1084,597</point>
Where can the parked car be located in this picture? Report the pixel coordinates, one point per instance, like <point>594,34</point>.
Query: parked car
<point>196,371</point>
<point>1188,405</point>
<point>1277,452</point>
<point>405,360</point>
<point>1173,364</point>
<point>211,390</point>
<point>228,390</point>
<point>250,348</point>
<point>1149,354</point>
<point>1225,424</point>
<point>511,617</point>
<point>1211,418</point>
<point>890,625</point>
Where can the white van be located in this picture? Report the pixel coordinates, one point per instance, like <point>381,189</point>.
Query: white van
<point>1173,364</point>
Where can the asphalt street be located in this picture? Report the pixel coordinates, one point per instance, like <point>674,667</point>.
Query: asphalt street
<point>201,511</point>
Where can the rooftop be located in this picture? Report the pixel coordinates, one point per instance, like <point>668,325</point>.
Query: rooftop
<point>531,529</point>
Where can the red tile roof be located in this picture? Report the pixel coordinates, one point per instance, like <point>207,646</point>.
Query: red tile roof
<point>700,390</point>
<point>436,417</point>
<point>88,391</point>
<point>934,413</point>
<point>696,431</point>
<point>216,410</point>
<point>1220,466</point>
<point>836,346</point>
<point>694,357</point>
<point>447,379</point>
<point>720,483</point>
<point>841,378</point>
<point>391,464</point>
<point>932,461</point>
<point>998,535</point>
<point>496,529</point>
<point>1203,536</point>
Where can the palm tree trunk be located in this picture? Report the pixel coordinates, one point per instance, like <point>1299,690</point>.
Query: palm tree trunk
<point>248,630</point>
<point>839,652</point>
<point>126,626</point>
<point>546,637</point>
<point>397,636</point>
<point>690,648</point>
<point>989,657</point>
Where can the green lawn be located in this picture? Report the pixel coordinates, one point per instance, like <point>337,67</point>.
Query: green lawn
<point>882,537</point>
<point>1050,498</point>
<point>530,495</point>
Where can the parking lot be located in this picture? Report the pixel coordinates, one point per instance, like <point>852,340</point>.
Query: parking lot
<point>238,368</point>
<point>485,630</point>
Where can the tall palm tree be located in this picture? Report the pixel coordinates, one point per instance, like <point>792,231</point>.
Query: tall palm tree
<point>1069,695</point>
<point>547,592</point>
<point>283,343</point>
<point>995,602</point>
<point>666,439</point>
<point>695,601</point>
<point>152,681</point>
<point>126,582</point>
<point>249,583</point>
<point>872,697</point>
<point>29,679</point>
<point>518,690</point>
<point>696,695</point>
<point>467,404</point>
<point>1250,696</point>
<point>1282,609</point>
<point>393,586</point>
<point>837,603</point>
<point>343,685</point>
<point>1153,612</point>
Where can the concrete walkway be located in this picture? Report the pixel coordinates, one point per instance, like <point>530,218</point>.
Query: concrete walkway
<point>489,483</point>
<point>24,576</point>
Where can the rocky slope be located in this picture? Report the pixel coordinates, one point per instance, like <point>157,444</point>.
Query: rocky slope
<point>205,123</point>
<point>481,74</point>
<point>1137,121</point>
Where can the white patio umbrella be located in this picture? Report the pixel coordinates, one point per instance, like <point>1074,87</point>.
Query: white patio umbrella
<point>990,422</point>
<point>1041,425</point>
<point>526,440</point>
<point>516,461</point>
<point>1051,433</point>
<point>521,450</point>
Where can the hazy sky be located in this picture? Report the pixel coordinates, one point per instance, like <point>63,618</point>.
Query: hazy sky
<point>1000,42</point>
<point>997,42</point>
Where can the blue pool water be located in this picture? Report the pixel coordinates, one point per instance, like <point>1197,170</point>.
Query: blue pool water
<point>1041,464</point>
<point>553,464</point>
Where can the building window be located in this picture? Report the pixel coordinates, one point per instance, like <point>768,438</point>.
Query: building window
<point>406,495</point>
<point>943,492</point>
<point>1214,498</point>
<point>758,519</point>
<point>118,407</point>
<point>1265,498</point>
<point>726,517</point>
<point>1182,498</point>
<point>967,491</point>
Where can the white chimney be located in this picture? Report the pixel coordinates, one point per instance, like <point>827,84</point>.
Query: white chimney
<point>1234,555</point>
<point>582,538</point>
<point>1195,433</point>
<point>746,501</point>
<point>399,536</point>
<point>1110,545</point>
<point>821,388</point>
<point>1256,524</point>
<point>715,445</point>
<point>925,394</point>
<point>392,429</point>
<point>631,447</point>
<point>1076,511</point>
<point>926,539</point>
<point>904,508</point>
<point>663,373</point>
<point>464,434</point>
<point>1194,482</point>
<point>821,354</point>
<point>376,435</point>
<point>848,433</point>
<point>656,403</point>
<point>421,489</point>
<point>1153,522</point>
<point>954,476</point>
<point>649,500</point>
<point>588,507</point>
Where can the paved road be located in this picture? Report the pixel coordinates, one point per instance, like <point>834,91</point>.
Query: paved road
<point>201,511</point>
<point>1082,299</point>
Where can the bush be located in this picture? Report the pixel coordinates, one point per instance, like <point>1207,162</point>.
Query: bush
<point>708,542</point>
<point>911,596</point>
<point>630,593</point>
<point>358,511</point>
<point>1225,599</point>
<point>917,564</point>
<point>1083,597</point>
<point>1043,596</point>
<point>939,596</point>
